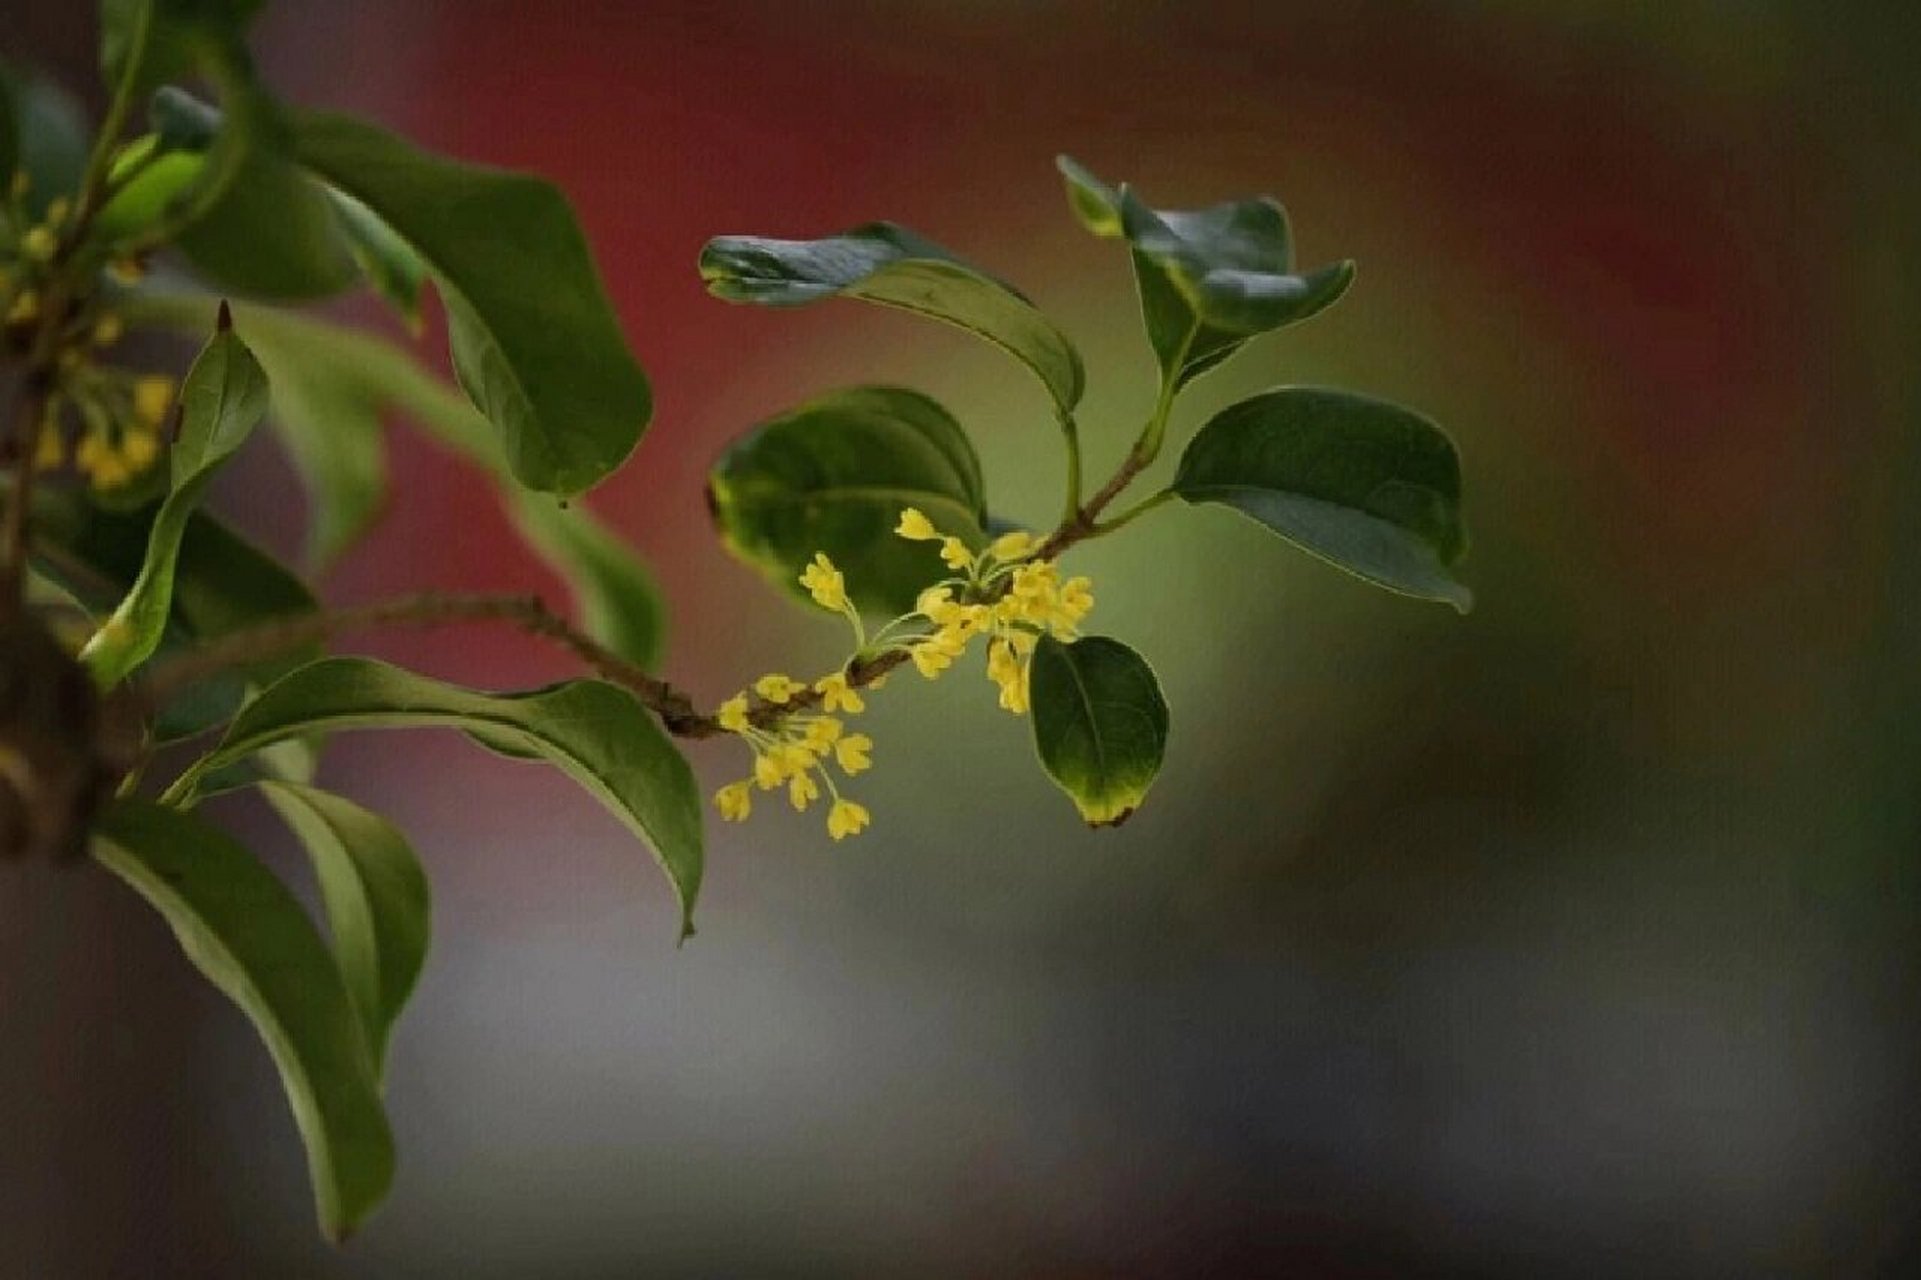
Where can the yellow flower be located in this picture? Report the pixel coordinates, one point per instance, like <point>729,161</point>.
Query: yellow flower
<point>1011,546</point>
<point>1005,669</point>
<point>847,819</point>
<point>776,688</point>
<point>50,452</point>
<point>152,398</point>
<point>767,772</point>
<point>822,733</point>
<point>57,210</point>
<point>837,695</point>
<point>733,714</point>
<point>25,308</point>
<point>930,658</point>
<point>802,790</point>
<point>936,604</point>
<point>138,449</point>
<point>954,553</point>
<point>851,753</point>
<point>39,244</point>
<point>127,270</point>
<point>915,526</point>
<point>734,801</point>
<point>107,331</point>
<point>825,583</point>
<point>795,757</point>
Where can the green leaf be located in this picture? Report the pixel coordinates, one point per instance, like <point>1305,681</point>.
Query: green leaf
<point>48,137</point>
<point>248,935</point>
<point>535,341</point>
<point>272,234</point>
<point>1097,205</point>
<point>892,266</point>
<point>390,263</point>
<point>1100,724</point>
<point>1210,279</point>
<point>375,894</point>
<point>594,732</point>
<point>221,401</point>
<point>147,42</point>
<point>834,476</point>
<point>222,583</point>
<point>616,598</point>
<point>1366,485</point>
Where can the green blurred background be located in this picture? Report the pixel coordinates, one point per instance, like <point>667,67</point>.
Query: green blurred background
<point>1574,937</point>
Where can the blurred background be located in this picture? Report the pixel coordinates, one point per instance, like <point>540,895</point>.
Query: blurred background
<point>1575,937</point>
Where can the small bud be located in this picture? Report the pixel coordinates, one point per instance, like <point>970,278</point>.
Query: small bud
<point>39,244</point>
<point>107,330</point>
<point>128,271</point>
<point>152,398</point>
<point>25,308</point>
<point>57,211</point>
<point>21,184</point>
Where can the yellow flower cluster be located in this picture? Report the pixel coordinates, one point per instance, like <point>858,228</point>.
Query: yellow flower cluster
<point>796,749</point>
<point>1006,595</point>
<point>122,436</point>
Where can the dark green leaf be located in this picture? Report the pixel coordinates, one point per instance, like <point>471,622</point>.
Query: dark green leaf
<point>618,603</point>
<point>248,935</point>
<point>375,893</point>
<point>534,338</point>
<point>1100,724</point>
<point>1366,485</point>
<point>221,401</point>
<point>834,476</point>
<point>48,137</point>
<point>1209,279</point>
<point>894,267</point>
<point>594,732</point>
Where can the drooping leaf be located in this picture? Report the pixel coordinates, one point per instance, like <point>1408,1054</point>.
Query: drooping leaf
<point>895,267</point>
<point>535,342</point>
<point>375,894</point>
<point>594,732</point>
<point>47,137</point>
<point>273,234</point>
<point>1100,724</point>
<point>616,598</point>
<point>390,263</point>
<point>833,476</point>
<point>1368,486</point>
<point>1209,279</point>
<point>248,935</point>
<point>221,401</point>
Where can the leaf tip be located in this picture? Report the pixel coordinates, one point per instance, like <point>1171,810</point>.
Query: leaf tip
<point>223,321</point>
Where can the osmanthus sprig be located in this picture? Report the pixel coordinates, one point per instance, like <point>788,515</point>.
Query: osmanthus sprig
<point>152,659</point>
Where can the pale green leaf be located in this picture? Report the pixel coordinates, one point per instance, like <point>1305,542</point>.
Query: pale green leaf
<point>243,930</point>
<point>376,898</point>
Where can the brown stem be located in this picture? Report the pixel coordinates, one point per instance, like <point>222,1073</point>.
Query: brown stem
<point>675,709</point>
<point>429,609</point>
